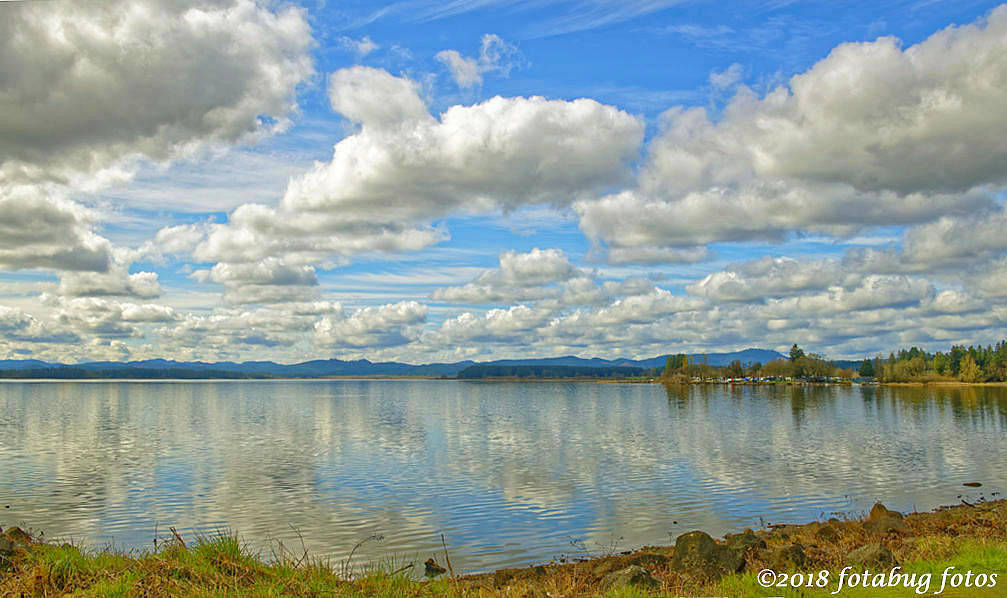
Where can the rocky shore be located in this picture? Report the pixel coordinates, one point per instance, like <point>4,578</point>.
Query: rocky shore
<point>882,540</point>
<point>965,535</point>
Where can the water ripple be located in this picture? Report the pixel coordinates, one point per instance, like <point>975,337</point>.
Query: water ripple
<point>510,474</point>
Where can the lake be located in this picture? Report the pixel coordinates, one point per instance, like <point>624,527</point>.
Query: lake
<point>510,473</point>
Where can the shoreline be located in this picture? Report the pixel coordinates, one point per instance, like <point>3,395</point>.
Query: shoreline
<point>931,383</point>
<point>972,535</point>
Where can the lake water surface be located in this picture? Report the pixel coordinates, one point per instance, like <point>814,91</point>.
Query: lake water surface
<point>510,473</point>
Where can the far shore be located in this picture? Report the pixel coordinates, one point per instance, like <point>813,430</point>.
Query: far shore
<point>512,379</point>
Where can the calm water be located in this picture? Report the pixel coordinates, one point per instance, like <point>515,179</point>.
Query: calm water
<point>510,473</point>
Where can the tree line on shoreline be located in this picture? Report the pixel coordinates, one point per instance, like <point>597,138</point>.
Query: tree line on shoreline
<point>964,364</point>
<point>799,365</point>
<point>72,373</point>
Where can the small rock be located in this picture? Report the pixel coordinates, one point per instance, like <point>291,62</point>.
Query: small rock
<point>432,569</point>
<point>787,558</point>
<point>633,575</point>
<point>650,560</point>
<point>872,555</point>
<point>745,542</point>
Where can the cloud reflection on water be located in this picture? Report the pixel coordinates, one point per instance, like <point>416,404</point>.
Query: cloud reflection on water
<point>510,473</point>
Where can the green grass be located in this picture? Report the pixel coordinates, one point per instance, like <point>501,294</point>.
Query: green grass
<point>222,565</point>
<point>965,555</point>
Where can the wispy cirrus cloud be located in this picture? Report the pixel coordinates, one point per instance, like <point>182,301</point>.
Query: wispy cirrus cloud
<point>570,16</point>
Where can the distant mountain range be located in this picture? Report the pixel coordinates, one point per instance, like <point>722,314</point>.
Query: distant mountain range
<point>335,367</point>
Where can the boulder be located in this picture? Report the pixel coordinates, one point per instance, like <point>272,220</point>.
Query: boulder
<point>787,559</point>
<point>18,535</point>
<point>879,511</point>
<point>881,521</point>
<point>634,575</point>
<point>697,552</point>
<point>872,556</point>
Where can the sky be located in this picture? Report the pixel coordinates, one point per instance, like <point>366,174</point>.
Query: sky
<point>430,181</point>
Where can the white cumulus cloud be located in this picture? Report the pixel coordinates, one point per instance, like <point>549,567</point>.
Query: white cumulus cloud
<point>873,134</point>
<point>403,169</point>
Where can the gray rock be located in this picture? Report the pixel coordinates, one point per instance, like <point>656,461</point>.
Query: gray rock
<point>634,575</point>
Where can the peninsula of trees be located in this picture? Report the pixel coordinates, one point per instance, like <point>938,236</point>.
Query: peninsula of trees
<point>960,364</point>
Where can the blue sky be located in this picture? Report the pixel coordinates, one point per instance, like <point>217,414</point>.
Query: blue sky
<point>434,181</point>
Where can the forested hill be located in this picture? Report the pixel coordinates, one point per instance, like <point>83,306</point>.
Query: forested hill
<point>476,372</point>
<point>320,368</point>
